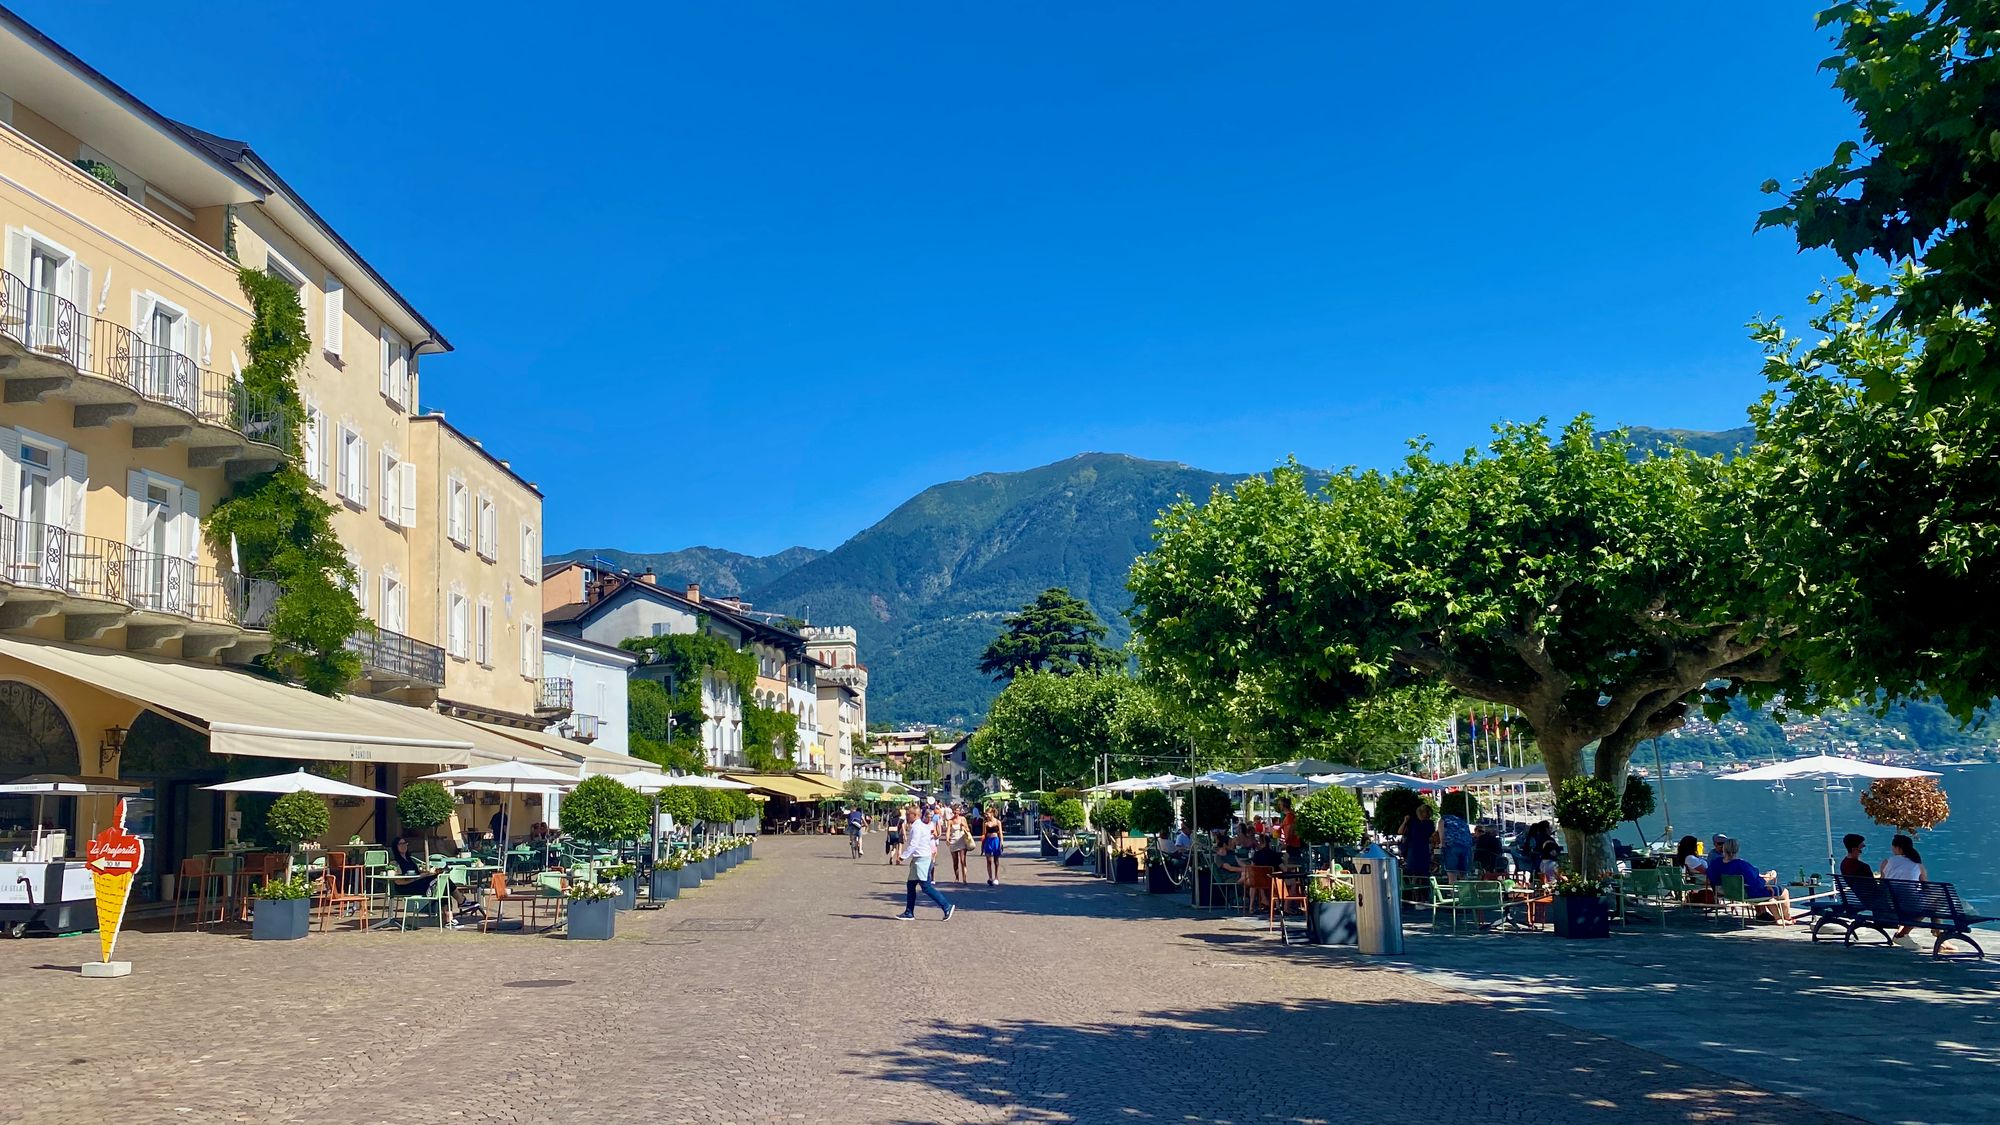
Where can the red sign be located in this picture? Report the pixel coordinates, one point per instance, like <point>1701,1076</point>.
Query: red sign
<point>113,851</point>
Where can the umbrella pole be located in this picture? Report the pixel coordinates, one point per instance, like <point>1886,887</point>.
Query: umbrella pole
<point>1826,810</point>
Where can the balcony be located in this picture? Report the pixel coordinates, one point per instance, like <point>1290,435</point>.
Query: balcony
<point>556,697</point>
<point>100,584</point>
<point>391,661</point>
<point>49,348</point>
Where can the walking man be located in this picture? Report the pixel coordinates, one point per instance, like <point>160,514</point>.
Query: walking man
<point>920,848</point>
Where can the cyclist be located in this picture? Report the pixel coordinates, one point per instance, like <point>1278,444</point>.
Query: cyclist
<point>855,822</point>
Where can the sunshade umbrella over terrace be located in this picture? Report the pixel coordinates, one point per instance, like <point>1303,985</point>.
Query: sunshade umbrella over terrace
<point>300,782</point>
<point>513,775</point>
<point>1824,767</point>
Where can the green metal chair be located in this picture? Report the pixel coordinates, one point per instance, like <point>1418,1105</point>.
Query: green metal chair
<point>1643,889</point>
<point>1474,896</point>
<point>437,898</point>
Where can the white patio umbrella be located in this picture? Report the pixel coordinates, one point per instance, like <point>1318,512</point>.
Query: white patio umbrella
<point>300,782</point>
<point>1823,767</point>
<point>511,775</point>
<point>1376,782</point>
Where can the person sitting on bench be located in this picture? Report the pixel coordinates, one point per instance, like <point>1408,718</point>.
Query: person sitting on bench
<point>1853,867</point>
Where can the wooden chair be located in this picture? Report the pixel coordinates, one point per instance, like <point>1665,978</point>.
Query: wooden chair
<point>1287,889</point>
<point>339,891</point>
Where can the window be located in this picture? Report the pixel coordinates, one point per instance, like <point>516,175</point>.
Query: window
<point>483,638</point>
<point>309,450</point>
<point>395,604</point>
<point>399,490</point>
<point>489,530</point>
<point>530,653</point>
<point>353,485</point>
<point>459,515</point>
<point>395,368</point>
<point>530,568</point>
<point>455,626</point>
<point>333,328</point>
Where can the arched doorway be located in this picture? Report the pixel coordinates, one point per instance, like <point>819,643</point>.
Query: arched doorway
<point>35,737</point>
<point>173,814</point>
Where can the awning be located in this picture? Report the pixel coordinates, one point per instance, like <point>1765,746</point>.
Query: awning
<point>833,787</point>
<point>784,785</point>
<point>600,761</point>
<point>248,714</point>
<point>486,746</point>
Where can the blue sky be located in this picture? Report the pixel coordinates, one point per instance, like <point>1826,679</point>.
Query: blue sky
<point>750,275</point>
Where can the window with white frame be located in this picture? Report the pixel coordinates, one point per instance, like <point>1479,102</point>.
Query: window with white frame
<point>353,482</point>
<point>530,565</point>
<point>395,369</point>
<point>482,639</point>
<point>399,490</point>
<point>456,624</point>
<point>395,612</point>
<point>489,529</point>
<point>531,653</point>
<point>459,511</point>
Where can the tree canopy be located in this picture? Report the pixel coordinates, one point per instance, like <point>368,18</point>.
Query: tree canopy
<point>1603,595</point>
<point>1923,180</point>
<point>1057,632</point>
<point>1046,730</point>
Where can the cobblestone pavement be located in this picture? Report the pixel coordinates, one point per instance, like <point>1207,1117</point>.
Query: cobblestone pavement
<point>787,992</point>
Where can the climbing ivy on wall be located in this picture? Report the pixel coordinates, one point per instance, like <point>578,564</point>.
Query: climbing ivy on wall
<point>685,657</point>
<point>282,525</point>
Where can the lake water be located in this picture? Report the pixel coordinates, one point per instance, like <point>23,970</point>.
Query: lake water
<point>1786,832</point>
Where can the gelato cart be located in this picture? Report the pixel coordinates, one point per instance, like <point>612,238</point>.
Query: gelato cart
<point>44,886</point>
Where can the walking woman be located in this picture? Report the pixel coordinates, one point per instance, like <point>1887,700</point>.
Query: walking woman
<point>1419,832</point>
<point>959,834</point>
<point>991,844</point>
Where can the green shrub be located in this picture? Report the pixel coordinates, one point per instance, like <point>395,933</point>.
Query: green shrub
<point>1113,815</point>
<point>603,810</point>
<point>291,887</point>
<point>1331,816</point>
<point>1152,811</point>
<point>1212,809</point>
<point>1397,805</point>
<point>1460,804</point>
<point>297,817</point>
<point>1637,802</point>
<point>1587,805</point>
<point>682,803</point>
<point>423,805</point>
<point>1067,814</point>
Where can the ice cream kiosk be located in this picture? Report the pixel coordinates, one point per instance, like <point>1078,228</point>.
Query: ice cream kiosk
<point>45,886</point>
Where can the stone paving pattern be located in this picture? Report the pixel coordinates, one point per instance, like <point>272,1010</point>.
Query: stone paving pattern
<point>787,992</point>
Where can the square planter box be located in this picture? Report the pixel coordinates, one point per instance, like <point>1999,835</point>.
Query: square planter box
<point>280,919</point>
<point>592,921</point>
<point>1125,869</point>
<point>1581,916</point>
<point>1330,923</point>
<point>707,867</point>
<point>1049,849</point>
<point>690,877</point>
<point>666,884</point>
<point>1159,879</point>
<point>628,894</point>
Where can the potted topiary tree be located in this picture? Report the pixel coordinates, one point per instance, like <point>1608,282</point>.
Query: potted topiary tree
<point>1114,819</point>
<point>1211,809</point>
<point>603,811</point>
<point>1330,912</point>
<point>1579,910</point>
<point>1589,808</point>
<point>423,805</point>
<point>1395,806</point>
<point>1153,813</point>
<point>666,878</point>
<point>1067,816</point>
<point>284,906</point>
<point>1331,817</point>
<point>1634,805</point>
<point>1460,804</point>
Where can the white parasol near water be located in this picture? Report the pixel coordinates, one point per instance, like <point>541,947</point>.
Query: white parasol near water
<point>1825,767</point>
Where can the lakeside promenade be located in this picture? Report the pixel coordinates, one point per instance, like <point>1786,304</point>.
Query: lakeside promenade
<point>788,993</point>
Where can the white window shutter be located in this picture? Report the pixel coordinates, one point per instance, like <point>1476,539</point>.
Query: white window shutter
<point>142,315</point>
<point>190,519</point>
<point>334,330</point>
<point>409,493</point>
<point>388,608</point>
<point>343,484</point>
<point>387,495</point>
<point>10,470</point>
<point>76,466</point>
<point>80,273</point>
<point>135,506</point>
<point>386,368</point>
<point>17,254</point>
<point>361,587</point>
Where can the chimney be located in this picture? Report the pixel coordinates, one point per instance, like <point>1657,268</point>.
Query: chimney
<point>694,592</point>
<point>649,578</point>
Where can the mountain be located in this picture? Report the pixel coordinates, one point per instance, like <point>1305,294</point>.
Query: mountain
<point>927,586</point>
<point>719,572</point>
<point>1708,443</point>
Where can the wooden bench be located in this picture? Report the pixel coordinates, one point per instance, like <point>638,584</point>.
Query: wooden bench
<point>1878,904</point>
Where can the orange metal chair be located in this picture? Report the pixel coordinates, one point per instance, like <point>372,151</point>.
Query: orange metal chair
<point>1287,889</point>
<point>194,876</point>
<point>532,900</point>
<point>1256,887</point>
<point>340,891</point>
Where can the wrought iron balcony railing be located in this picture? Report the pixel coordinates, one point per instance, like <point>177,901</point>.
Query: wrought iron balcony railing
<point>387,654</point>
<point>52,326</point>
<point>557,695</point>
<point>48,557</point>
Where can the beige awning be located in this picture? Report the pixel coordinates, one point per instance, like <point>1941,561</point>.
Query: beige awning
<point>248,714</point>
<point>785,785</point>
<point>598,761</point>
<point>487,746</point>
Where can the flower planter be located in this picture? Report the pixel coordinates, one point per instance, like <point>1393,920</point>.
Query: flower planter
<point>592,921</point>
<point>707,869</point>
<point>1125,869</point>
<point>1159,880</point>
<point>1049,849</point>
<point>1330,923</point>
<point>1581,916</point>
<point>280,919</point>
<point>666,884</point>
<point>628,893</point>
<point>690,876</point>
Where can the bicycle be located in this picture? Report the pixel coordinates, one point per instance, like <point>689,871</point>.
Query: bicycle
<point>854,843</point>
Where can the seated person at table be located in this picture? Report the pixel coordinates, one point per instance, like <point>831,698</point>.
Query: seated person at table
<point>419,878</point>
<point>1267,854</point>
<point>1688,856</point>
<point>1488,857</point>
<point>1180,841</point>
<point>1549,866</point>
<point>1773,904</point>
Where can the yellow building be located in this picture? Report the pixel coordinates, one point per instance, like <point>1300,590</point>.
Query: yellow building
<point>124,420</point>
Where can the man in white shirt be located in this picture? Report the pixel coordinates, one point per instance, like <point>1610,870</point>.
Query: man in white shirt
<point>920,848</point>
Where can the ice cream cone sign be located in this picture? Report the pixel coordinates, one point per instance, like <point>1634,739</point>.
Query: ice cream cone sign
<point>112,857</point>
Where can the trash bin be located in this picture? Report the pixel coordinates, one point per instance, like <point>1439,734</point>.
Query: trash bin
<point>1378,901</point>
